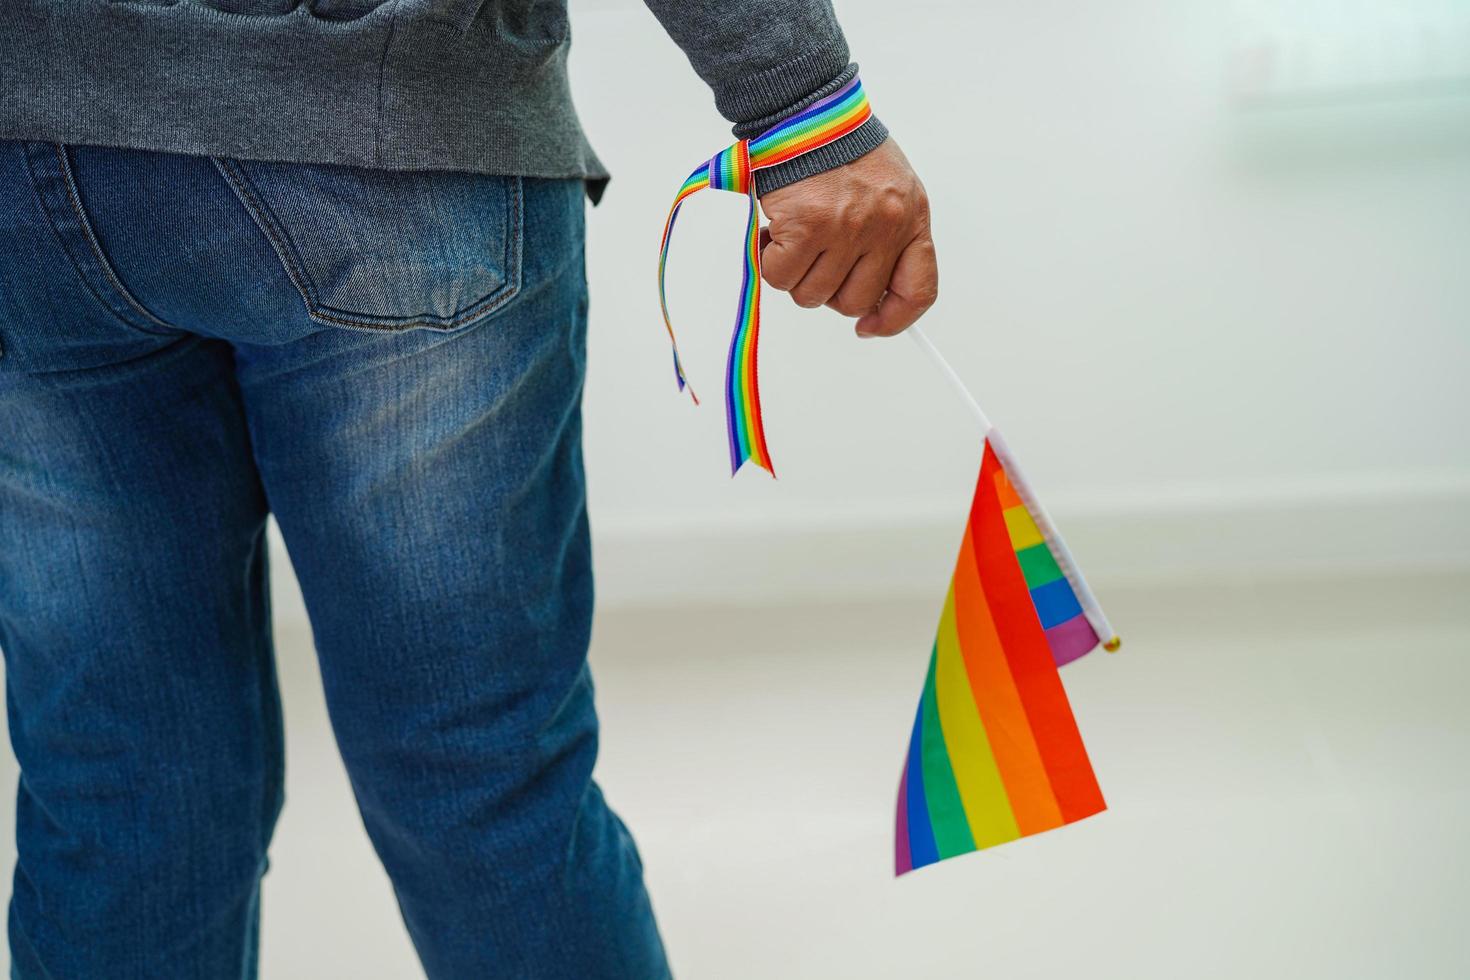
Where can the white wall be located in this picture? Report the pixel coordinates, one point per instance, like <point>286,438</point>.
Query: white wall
<point>1222,337</point>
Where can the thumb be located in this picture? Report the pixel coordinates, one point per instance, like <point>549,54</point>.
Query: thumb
<point>911,291</point>
<point>783,263</point>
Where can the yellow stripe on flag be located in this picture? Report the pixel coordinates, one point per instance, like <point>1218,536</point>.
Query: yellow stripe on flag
<point>982,791</point>
<point>1021,528</point>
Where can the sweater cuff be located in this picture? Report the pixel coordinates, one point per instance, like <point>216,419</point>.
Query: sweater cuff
<point>866,137</point>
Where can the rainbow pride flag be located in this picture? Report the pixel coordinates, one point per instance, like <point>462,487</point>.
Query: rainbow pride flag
<point>995,752</point>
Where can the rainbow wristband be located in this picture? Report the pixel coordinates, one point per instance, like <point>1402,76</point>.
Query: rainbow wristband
<point>732,169</point>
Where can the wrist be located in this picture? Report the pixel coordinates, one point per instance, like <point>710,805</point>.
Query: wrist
<point>866,138</point>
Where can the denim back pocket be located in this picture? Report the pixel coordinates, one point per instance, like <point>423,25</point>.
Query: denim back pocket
<point>388,250</point>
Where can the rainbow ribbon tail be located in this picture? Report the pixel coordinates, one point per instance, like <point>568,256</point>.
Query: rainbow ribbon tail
<point>995,752</point>
<point>730,170</point>
<point>733,169</point>
<point>743,419</point>
<point>695,182</point>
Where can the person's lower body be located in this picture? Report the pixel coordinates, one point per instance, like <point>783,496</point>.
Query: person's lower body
<point>417,436</point>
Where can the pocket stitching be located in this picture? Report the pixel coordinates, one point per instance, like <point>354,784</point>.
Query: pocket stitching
<point>84,222</point>
<point>284,248</point>
<point>266,220</point>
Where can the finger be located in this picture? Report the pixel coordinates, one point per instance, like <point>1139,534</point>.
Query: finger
<point>783,263</point>
<point>823,278</point>
<point>912,290</point>
<point>864,285</point>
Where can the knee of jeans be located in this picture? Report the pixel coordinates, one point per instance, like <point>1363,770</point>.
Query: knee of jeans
<point>167,802</point>
<point>477,774</point>
<point>102,851</point>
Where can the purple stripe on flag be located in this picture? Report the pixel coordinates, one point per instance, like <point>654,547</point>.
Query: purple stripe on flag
<point>902,862</point>
<point>1071,639</point>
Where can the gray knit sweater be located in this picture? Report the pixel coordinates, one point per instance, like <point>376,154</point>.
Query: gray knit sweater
<point>472,85</point>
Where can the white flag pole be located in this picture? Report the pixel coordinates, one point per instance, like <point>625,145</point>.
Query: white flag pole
<point>951,375</point>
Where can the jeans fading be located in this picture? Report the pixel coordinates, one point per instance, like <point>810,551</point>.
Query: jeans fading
<point>392,364</point>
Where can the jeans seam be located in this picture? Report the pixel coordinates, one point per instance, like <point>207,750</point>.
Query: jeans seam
<point>74,197</point>
<point>61,206</point>
<point>382,74</point>
<point>266,222</point>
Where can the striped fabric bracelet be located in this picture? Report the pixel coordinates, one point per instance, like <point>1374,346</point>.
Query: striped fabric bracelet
<point>732,169</point>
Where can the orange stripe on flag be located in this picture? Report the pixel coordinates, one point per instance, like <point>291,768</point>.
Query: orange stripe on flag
<point>1029,656</point>
<point>1008,496</point>
<point>1009,732</point>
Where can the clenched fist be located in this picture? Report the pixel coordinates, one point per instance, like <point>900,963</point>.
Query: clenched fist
<point>856,239</point>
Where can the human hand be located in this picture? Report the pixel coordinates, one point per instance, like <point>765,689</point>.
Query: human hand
<point>855,238</point>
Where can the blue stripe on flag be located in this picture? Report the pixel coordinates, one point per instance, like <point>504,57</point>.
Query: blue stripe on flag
<point>1055,603</point>
<point>922,848</point>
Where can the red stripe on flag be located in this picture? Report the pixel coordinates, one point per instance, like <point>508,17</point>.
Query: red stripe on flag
<point>1001,711</point>
<point>1028,653</point>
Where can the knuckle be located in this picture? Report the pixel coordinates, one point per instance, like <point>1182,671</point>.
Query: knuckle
<point>790,231</point>
<point>891,206</point>
<point>806,298</point>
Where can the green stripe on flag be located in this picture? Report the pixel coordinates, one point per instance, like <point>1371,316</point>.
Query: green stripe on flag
<point>1038,565</point>
<point>946,812</point>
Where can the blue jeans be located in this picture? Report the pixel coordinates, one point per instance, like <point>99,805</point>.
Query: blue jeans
<point>391,364</point>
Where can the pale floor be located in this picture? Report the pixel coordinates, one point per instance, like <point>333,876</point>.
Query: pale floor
<point>1286,765</point>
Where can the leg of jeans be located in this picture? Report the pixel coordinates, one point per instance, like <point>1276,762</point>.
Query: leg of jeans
<point>140,679</point>
<point>430,490</point>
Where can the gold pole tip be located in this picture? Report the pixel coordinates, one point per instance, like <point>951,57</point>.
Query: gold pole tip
<point>1112,645</point>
